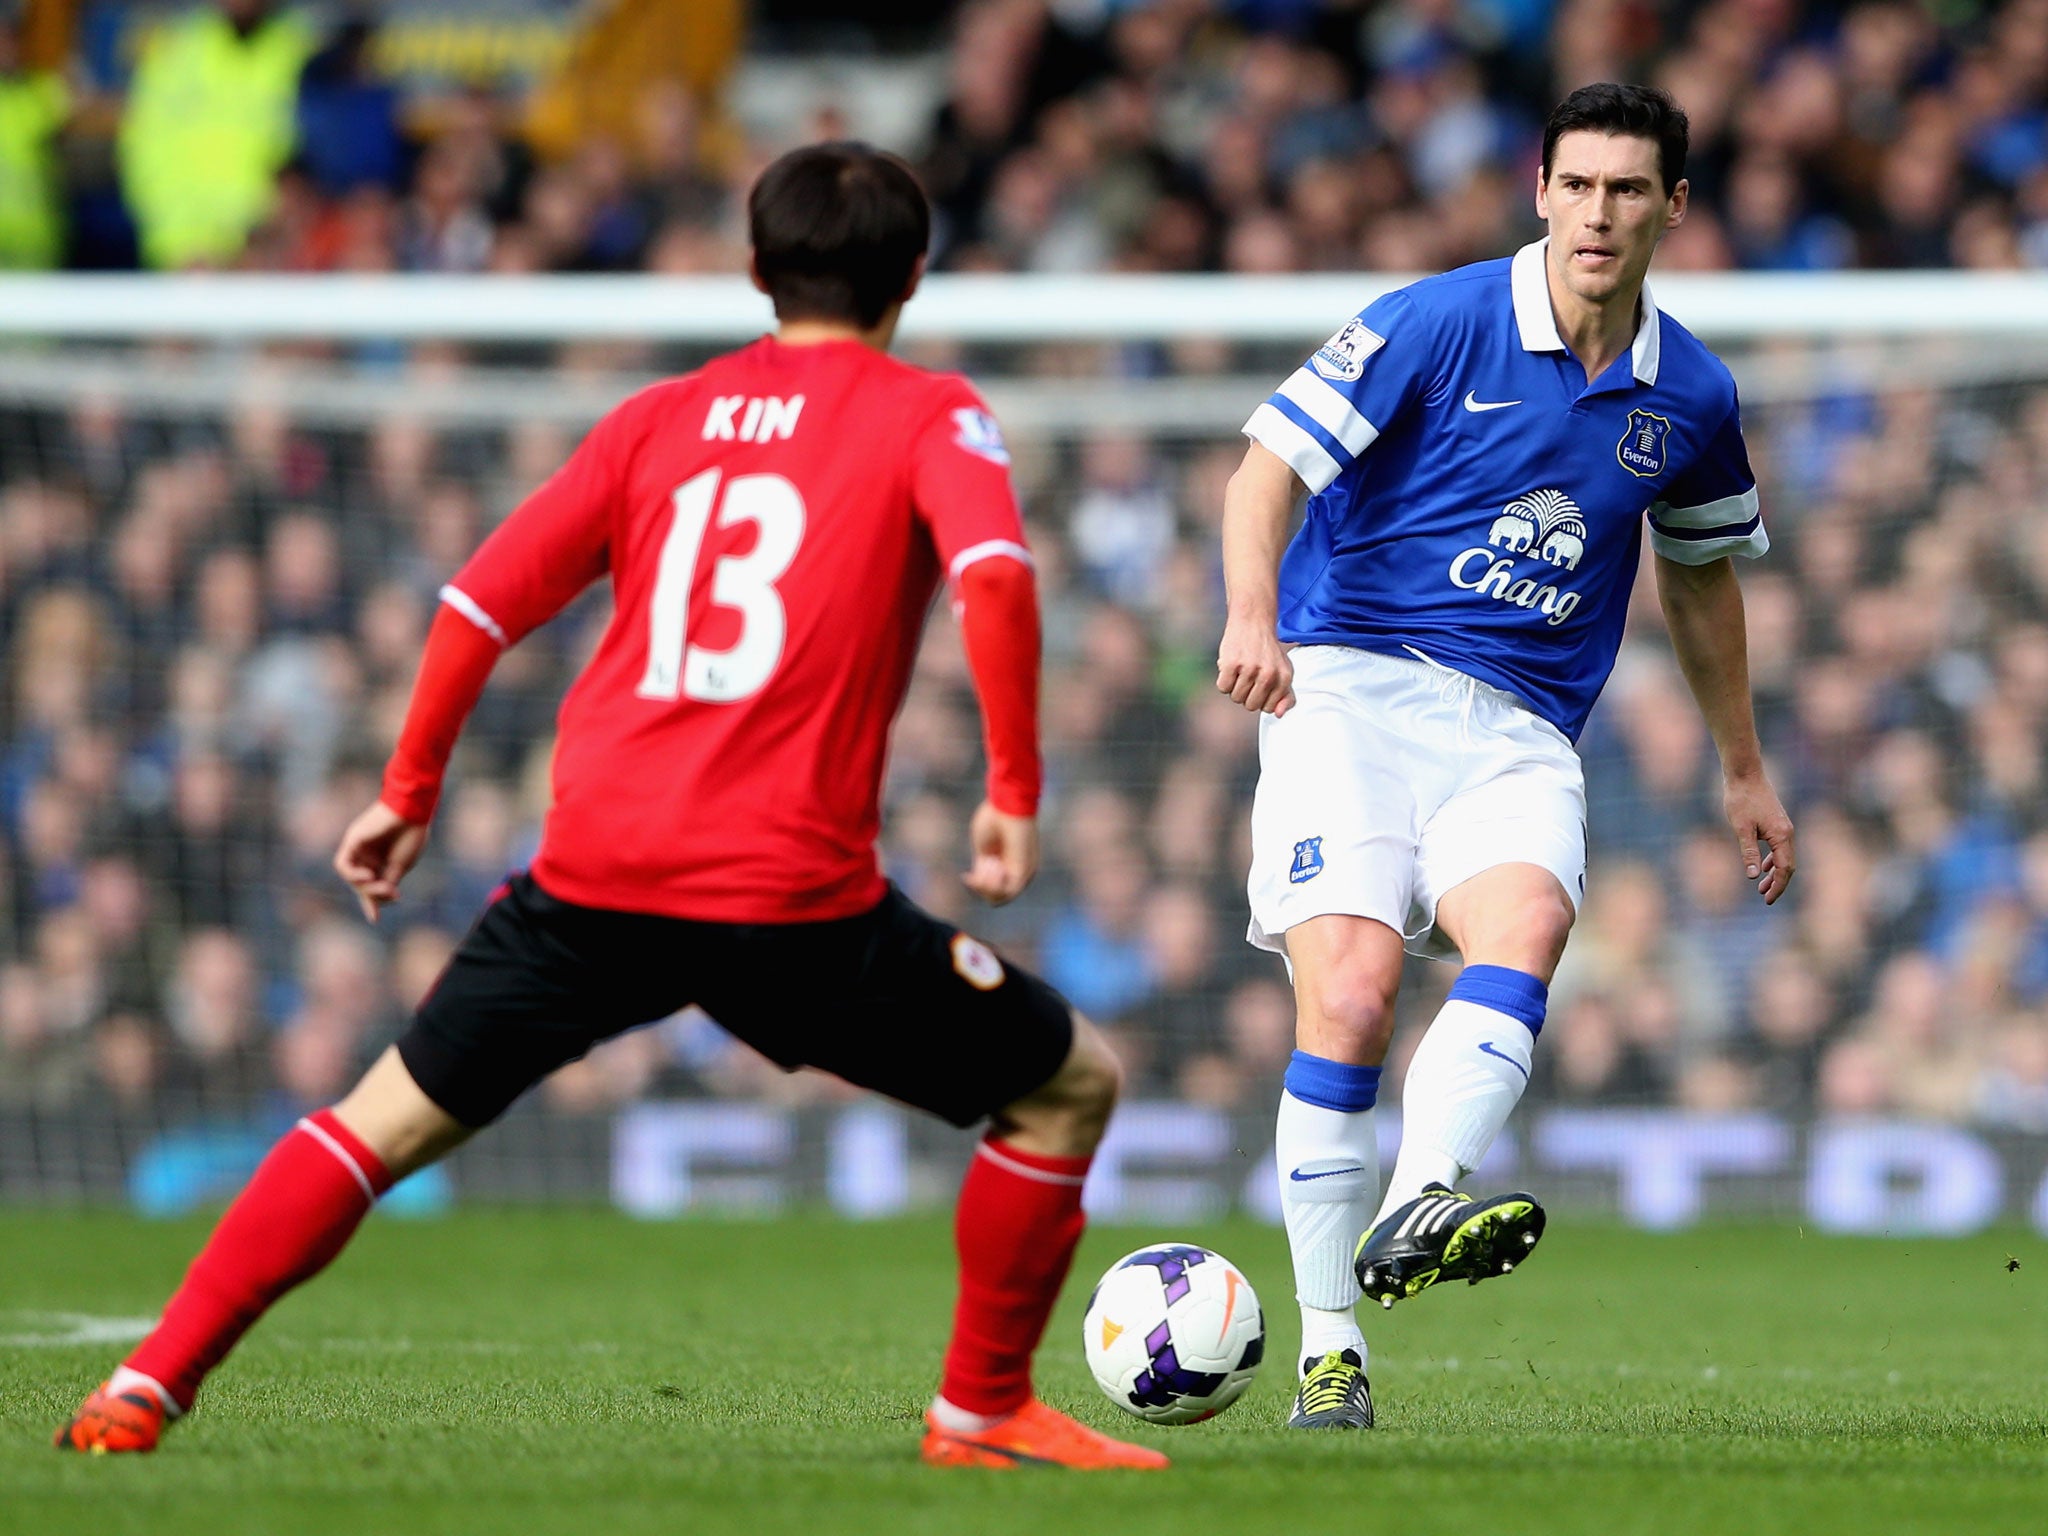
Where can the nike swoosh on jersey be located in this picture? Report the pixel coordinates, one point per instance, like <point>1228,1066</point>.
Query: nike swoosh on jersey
<point>1475,405</point>
<point>1488,1048</point>
<point>1329,1173</point>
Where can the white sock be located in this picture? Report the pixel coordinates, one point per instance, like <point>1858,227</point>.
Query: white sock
<point>1465,1080</point>
<point>126,1380</point>
<point>1329,1167</point>
<point>963,1421</point>
<point>1324,1333</point>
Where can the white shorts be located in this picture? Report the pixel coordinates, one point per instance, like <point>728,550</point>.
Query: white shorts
<point>1392,780</point>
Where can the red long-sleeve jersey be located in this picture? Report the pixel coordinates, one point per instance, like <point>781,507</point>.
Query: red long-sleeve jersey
<point>775,527</point>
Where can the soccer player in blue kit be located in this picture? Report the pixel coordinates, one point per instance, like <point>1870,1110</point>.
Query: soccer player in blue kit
<point>1481,449</point>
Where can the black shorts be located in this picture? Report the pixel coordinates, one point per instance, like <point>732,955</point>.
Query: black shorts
<point>891,999</point>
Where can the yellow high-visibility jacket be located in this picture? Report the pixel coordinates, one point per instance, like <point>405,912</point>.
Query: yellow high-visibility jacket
<point>34,104</point>
<point>211,118</point>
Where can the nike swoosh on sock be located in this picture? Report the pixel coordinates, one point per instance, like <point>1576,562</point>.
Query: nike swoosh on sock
<point>1487,1047</point>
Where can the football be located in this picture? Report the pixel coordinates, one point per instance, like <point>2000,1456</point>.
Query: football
<point>1174,1333</point>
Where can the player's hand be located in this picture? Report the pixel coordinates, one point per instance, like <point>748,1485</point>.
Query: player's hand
<point>1763,831</point>
<point>1004,850</point>
<point>376,852</point>
<point>1253,667</point>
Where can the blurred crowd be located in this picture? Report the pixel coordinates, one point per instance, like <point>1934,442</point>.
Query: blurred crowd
<point>1167,135</point>
<point>210,628</point>
<point>209,624</point>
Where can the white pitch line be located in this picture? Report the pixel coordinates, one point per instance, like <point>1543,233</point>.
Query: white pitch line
<point>58,1330</point>
<point>407,1346</point>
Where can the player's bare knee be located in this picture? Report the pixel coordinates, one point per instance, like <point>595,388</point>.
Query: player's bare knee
<point>1347,1016</point>
<point>1067,1116</point>
<point>395,1119</point>
<point>1545,921</point>
<point>1089,1083</point>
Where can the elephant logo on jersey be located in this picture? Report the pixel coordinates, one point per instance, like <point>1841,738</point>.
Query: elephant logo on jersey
<point>1642,446</point>
<point>1308,860</point>
<point>1547,527</point>
<point>1544,523</point>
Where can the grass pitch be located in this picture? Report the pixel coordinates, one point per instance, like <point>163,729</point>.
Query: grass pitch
<point>559,1372</point>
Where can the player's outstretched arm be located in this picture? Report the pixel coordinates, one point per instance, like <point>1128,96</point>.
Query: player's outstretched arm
<point>381,845</point>
<point>998,597</point>
<point>1252,665</point>
<point>1703,611</point>
<point>532,566</point>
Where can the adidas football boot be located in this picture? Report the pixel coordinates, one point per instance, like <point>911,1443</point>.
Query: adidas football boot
<point>1443,1234</point>
<point>1334,1394</point>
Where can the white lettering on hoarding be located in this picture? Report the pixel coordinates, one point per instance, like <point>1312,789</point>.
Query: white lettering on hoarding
<point>1880,1176</point>
<point>1662,1158</point>
<point>657,1149</point>
<point>1176,1162</point>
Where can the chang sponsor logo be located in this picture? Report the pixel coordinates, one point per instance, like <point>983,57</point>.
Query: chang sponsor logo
<point>1547,532</point>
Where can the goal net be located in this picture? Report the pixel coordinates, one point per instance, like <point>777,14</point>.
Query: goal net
<point>226,506</point>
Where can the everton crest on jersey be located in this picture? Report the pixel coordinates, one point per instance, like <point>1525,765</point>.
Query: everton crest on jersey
<point>1467,502</point>
<point>1641,449</point>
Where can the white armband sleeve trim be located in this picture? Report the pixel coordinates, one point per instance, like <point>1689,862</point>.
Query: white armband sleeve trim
<point>1328,409</point>
<point>1729,511</point>
<point>985,550</point>
<point>1749,543</point>
<point>473,611</point>
<point>1303,454</point>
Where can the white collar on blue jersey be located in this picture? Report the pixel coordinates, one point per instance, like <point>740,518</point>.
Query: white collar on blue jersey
<point>1531,288</point>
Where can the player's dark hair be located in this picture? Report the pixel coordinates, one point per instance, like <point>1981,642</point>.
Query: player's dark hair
<point>1635,111</point>
<point>837,230</point>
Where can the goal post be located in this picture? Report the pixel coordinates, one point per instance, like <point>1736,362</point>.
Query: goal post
<point>1001,308</point>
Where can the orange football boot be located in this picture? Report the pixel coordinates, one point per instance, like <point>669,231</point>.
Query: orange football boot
<point>1035,1436</point>
<point>106,1423</point>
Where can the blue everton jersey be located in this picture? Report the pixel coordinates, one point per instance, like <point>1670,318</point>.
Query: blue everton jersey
<point>1476,500</point>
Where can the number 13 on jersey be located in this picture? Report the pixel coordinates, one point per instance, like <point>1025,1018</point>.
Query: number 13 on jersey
<point>745,583</point>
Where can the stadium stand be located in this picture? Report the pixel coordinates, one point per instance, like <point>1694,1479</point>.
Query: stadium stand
<point>208,629</point>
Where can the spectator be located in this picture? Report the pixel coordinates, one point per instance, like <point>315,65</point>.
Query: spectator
<point>1183,1014</point>
<point>2012,1093</point>
<point>211,1003</point>
<point>34,106</point>
<point>1242,1067</point>
<point>210,623</point>
<point>209,124</point>
<point>348,127</point>
<point>1789,1022</point>
<point>1093,950</point>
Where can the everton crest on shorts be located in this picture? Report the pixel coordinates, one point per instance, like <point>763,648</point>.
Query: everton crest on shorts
<point>1308,860</point>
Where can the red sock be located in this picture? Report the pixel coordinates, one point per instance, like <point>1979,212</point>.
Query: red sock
<point>297,1212</point>
<point>1018,1222</point>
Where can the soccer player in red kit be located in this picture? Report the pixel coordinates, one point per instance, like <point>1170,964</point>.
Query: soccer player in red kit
<point>774,527</point>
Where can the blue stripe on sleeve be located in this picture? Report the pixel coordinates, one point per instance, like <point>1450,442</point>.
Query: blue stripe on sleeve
<point>1341,456</point>
<point>1725,531</point>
